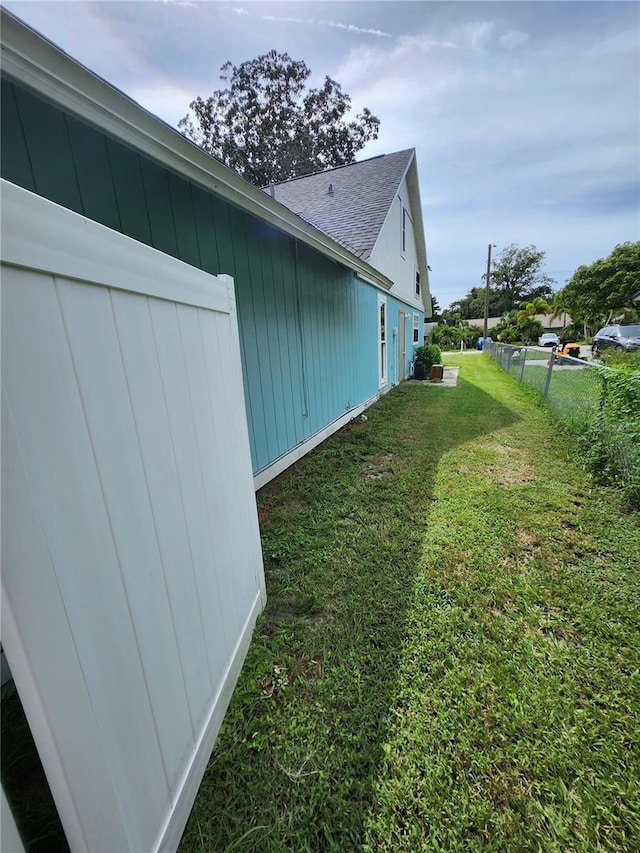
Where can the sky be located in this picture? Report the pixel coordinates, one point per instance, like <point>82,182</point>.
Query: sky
<point>525,116</point>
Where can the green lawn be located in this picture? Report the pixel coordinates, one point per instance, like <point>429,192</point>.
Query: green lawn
<point>450,656</point>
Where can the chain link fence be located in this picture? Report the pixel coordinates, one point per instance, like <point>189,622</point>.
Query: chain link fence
<point>600,405</point>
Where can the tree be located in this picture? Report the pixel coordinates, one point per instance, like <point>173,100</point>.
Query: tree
<point>516,277</point>
<point>537,305</point>
<point>268,128</point>
<point>518,327</point>
<point>435,310</point>
<point>472,305</point>
<point>597,293</point>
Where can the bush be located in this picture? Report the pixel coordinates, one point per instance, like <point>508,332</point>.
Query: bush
<point>429,355</point>
<point>610,445</point>
<point>450,337</point>
<point>571,334</point>
<point>624,360</point>
<point>509,334</point>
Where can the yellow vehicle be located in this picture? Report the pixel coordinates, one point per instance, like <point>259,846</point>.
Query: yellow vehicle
<point>564,352</point>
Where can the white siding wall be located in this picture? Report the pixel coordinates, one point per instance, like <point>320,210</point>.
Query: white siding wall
<point>387,254</point>
<point>131,562</point>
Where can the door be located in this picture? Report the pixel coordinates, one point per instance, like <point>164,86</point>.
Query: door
<point>401,366</point>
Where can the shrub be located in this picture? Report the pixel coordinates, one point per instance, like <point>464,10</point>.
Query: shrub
<point>429,355</point>
<point>630,360</point>
<point>571,334</point>
<point>610,445</point>
<point>450,337</point>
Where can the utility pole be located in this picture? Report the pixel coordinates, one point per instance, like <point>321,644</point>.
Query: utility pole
<point>486,295</point>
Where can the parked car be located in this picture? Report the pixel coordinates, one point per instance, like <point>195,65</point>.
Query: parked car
<point>549,339</point>
<point>480,343</point>
<point>617,337</point>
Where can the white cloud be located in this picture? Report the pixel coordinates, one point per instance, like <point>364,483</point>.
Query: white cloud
<point>513,39</point>
<point>338,25</point>
<point>477,34</point>
<point>167,101</point>
<point>535,145</point>
<point>352,28</point>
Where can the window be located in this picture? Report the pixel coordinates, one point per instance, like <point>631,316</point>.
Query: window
<point>416,328</point>
<point>404,230</point>
<point>417,283</point>
<point>382,340</point>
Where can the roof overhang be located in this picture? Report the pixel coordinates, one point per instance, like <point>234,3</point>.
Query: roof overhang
<point>37,64</point>
<point>413,187</point>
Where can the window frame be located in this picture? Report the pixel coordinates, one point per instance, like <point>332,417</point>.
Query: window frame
<point>416,329</point>
<point>382,341</point>
<point>403,229</point>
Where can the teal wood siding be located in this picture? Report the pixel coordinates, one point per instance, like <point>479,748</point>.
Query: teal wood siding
<point>393,306</point>
<point>308,326</point>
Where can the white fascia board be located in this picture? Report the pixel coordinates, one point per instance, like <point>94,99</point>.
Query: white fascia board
<point>388,214</point>
<point>411,175</point>
<point>33,61</point>
<point>413,185</point>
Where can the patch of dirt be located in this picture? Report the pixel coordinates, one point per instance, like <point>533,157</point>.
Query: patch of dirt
<point>526,538</point>
<point>511,466</point>
<point>380,467</point>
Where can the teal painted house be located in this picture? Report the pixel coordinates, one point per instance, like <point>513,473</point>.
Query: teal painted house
<point>330,270</point>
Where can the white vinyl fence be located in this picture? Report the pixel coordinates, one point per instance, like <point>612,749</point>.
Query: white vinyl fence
<point>131,563</point>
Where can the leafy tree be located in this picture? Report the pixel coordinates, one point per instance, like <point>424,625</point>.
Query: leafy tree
<point>450,316</point>
<point>519,326</point>
<point>472,305</point>
<point>516,277</point>
<point>605,289</point>
<point>435,310</point>
<point>538,305</point>
<point>530,329</point>
<point>452,331</point>
<point>268,128</point>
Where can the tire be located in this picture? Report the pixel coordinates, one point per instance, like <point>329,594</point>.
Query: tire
<point>618,348</point>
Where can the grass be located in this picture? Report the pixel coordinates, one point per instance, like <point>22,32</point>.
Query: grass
<point>450,655</point>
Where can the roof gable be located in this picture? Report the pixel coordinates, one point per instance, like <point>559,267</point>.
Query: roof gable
<point>349,203</point>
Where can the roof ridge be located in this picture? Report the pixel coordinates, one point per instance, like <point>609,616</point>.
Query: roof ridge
<point>336,168</point>
<point>350,203</point>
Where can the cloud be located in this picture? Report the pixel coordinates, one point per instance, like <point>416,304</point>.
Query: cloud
<point>515,38</point>
<point>286,20</point>
<point>477,34</point>
<point>525,117</point>
<point>526,146</point>
<point>337,25</point>
<point>168,100</point>
<point>353,29</point>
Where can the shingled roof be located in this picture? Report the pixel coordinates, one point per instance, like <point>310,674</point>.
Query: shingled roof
<point>349,203</point>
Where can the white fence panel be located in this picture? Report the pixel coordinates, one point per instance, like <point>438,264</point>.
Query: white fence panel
<point>132,570</point>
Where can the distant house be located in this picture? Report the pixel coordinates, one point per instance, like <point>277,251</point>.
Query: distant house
<point>547,321</point>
